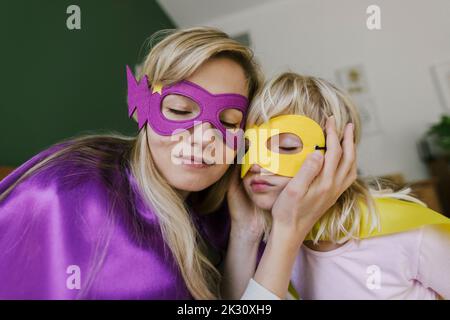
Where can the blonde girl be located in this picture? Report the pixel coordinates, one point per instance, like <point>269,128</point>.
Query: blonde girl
<point>331,260</point>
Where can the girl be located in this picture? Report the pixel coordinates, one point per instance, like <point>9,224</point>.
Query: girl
<point>113,217</point>
<point>368,245</point>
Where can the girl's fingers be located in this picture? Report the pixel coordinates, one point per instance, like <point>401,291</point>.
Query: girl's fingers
<point>333,153</point>
<point>349,179</point>
<point>299,184</point>
<point>324,183</point>
<point>348,154</point>
<point>351,176</point>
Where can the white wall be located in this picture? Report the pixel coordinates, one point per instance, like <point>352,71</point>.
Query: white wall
<point>319,36</point>
<point>185,12</point>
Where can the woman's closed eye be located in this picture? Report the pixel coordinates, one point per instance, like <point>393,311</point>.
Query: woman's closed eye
<point>177,107</point>
<point>179,112</point>
<point>231,118</point>
<point>230,125</point>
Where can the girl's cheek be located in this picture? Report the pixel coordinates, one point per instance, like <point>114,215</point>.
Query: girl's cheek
<point>283,182</point>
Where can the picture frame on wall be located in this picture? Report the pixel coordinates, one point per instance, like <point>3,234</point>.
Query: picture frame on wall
<point>353,79</point>
<point>441,76</point>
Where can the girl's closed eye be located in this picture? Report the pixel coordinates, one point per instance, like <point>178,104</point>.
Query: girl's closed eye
<point>285,143</point>
<point>288,148</point>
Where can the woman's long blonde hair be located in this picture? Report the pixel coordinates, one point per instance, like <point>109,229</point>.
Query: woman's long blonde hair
<point>174,55</point>
<point>291,93</point>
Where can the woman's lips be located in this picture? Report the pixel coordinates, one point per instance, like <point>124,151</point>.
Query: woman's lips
<point>260,185</point>
<point>195,162</point>
<point>196,165</point>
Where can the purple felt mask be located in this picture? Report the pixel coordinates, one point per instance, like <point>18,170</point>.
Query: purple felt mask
<point>148,102</point>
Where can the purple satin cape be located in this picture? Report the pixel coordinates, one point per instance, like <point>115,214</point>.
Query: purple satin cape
<point>76,223</point>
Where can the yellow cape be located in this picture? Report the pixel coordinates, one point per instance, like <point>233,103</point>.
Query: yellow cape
<point>396,216</point>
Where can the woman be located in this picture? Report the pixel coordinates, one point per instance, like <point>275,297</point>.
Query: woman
<point>111,217</point>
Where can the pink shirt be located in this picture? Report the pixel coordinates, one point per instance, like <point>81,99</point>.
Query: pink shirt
<point>409,265</point>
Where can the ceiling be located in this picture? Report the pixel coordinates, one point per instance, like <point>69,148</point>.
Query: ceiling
<point>195,12</point>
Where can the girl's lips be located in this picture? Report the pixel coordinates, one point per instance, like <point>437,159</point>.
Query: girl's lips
<point>260,185</point>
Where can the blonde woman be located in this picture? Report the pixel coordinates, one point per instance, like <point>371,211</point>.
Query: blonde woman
<point>114,217</point>
<point>371,243</point>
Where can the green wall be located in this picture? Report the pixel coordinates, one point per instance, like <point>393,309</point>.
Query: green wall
<point>56,83</point>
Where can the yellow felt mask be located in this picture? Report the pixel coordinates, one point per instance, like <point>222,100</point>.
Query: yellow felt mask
<point>309,132</point>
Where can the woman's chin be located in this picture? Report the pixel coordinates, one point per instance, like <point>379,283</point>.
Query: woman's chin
<point>190,186</point>
<point>192,178</point>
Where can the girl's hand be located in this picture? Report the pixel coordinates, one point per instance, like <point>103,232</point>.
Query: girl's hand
<point>302,202</point>
<point>246,222</point>
<point>315,189</point>
<point>245,236</point>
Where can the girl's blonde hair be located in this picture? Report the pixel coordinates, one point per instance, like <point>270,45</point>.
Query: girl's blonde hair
<point>174,55</point>
<point>318,99</point>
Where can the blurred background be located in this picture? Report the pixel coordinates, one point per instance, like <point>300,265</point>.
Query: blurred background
<point>392,56</point>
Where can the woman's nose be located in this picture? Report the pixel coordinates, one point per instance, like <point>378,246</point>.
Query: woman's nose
<point>201,134</point>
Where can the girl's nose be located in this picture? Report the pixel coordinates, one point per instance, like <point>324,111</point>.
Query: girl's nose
<point>255,168</point>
